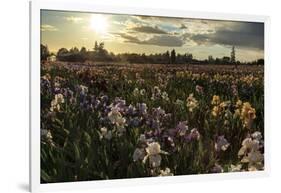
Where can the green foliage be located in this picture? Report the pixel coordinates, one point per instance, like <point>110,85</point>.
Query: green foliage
<point>45,53</point>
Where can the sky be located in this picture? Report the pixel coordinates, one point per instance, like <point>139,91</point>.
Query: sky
<point>150,34</point>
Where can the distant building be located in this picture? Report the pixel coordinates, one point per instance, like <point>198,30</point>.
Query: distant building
<point>52,58</point>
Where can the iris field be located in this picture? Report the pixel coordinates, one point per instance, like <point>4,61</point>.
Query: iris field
<point>113,121</point>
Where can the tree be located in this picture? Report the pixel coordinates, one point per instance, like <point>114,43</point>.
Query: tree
<point>210,59</point>
<point>101,46</point>
<point>83,54</point>
<point>260,61</point>
<point>44,52</point>
<point>232,57</point>
<point>189,57</point>
<point>62,54</point>
<point>74,50</point>
<point>100,53</point>
<point>96,47</point>
<point>62,51</point>
<point>74,55</point>
<point>173,56</point>
<point>83,50</point>
<point>226,60</point>
<point>167,56</point>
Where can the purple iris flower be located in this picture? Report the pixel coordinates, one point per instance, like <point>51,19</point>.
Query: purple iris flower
<point>142,108</point>
<point>194,135</point>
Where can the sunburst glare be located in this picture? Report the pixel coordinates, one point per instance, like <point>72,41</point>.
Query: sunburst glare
<point>99,24</point>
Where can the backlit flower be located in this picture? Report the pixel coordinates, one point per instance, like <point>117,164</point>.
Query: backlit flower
<point>215,100</point>
<point>83,89</point>
<point>153,151</point>
<point>238,104</point>
<point>248,114</point>
<point>142,92</point>
<point>191,103</point>
<point>250,152</point>
<point>153,148</point>
<point>59,98</point>
<point>105,133</point>
<point>165,96</point>
<point>56,102</point>
<point>166,172</point>
<point>221,144</point>
<point>155,160</point>
<point>182,128</point>
<point>256,135</point>
<point>215,111</point>
<point>235,168</point>
<point>136,92</point>
<point>116,118</point>
<point>199,89</point>
<point>156,93</point>
<point>139,154</point>
<point>114,115</point>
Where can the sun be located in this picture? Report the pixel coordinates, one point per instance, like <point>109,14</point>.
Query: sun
<point>99,24</point>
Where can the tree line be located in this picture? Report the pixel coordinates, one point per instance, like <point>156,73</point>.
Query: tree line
<point>99,54</point>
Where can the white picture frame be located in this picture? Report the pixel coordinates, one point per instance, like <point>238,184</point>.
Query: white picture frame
<point>36,6</point>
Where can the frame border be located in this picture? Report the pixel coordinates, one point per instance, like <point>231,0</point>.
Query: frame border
<point>34,94</point>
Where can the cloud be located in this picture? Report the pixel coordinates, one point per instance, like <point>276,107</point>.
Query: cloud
<point>159,20</point>
<point>250,35</point>
<point>157,40</point>
<point>200,38</point>
<point>74,19</point>
<point>149,29</point>
<point>128,38</point>
<point>47,27</point>
<point>165,40</point>
<point>174,33</point>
